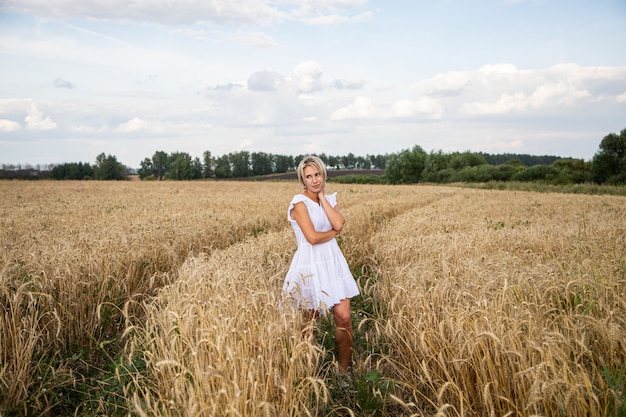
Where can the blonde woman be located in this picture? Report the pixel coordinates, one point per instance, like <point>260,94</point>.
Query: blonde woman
<point>319,278</point>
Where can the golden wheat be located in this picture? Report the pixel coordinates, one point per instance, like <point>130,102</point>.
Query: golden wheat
<point>479,302</point>
<point>506,303</point>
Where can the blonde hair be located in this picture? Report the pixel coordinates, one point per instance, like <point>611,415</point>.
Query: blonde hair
<point>313,161</point>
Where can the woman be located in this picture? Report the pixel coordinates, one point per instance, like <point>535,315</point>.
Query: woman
<point>319,277</point>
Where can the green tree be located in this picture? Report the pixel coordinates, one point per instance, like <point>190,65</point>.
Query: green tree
<point>609,163</point>
<point>505,171</point>
<point>72,171</point>
<point>146,169</point>
<point>282,163</point>
<point>58,172</point>
<point>435,165</point>
<point>222,167</point>
<point>378,161</point>
<point>207,165</point>
<point>349,161</point>
<point>261,163</point>
<point>466,159</point>
<point>160,164</point>
<point>196,169</point>
<point>406,167</point>
<point>539,173</point>
<point>108,168</point>
<point>363,163</point>
<point>330,161</point>
<point>180,166</point>
<point>476,173</point>
<point>576,170</point>
<point>240,162</point>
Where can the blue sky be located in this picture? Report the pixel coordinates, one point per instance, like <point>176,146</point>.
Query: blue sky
<point>83,77</point>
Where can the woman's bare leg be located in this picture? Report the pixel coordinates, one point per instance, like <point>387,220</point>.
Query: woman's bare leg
<point>343,333</point>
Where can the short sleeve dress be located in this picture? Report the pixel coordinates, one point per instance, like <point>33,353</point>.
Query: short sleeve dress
<point>319,276</point>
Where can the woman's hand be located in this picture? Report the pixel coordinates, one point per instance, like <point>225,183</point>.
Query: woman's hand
<point>321,194</point>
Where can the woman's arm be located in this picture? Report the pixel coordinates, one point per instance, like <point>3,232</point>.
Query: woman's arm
<point>300,214</point>
<point>336,217</point>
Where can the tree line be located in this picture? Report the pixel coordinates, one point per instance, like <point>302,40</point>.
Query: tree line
<point>414,165</point>
<point>608,166</point>
<point>242,164</point>
<point>106,167</point>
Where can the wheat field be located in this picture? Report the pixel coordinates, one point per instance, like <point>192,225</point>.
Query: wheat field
<point>164,298</point>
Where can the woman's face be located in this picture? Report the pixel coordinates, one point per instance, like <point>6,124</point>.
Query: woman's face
<point>312,178</point>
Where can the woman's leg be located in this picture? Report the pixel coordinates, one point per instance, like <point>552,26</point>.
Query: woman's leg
<point>343,333</point>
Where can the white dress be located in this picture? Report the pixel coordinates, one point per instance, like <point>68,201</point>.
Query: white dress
<point>319,276</point>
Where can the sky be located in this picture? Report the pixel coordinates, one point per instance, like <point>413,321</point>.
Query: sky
<point>79,78</point>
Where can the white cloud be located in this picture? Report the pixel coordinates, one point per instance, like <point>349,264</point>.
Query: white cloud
<point>264,81</point>
<point>621,98</point>
<point>137,124</point>
<point>61,83</point>
<point>35,120</point>
<point>424,106</point>
<point>305,80</point>
<point>544,96</point>
<point>364,108</point>
<point>450,82</point>
<point>503,88</point>
<point>210,89</point>
<point>253,39</point>
<point>88,129</point>
<point>244,144</point>
<point>335,19</point>
<point>311,7</point>
<point>156,11</point>
<point>480,81</point>
<point>186,12</point>
<point>260,120</point>
<point>310,100</point>
<point>348,85</point>
<point>506,103</point>
<point>307,76</point>
<point>361,108</point>
<point>559,93</point>
<point>9,126</point>
<point>499,70</point>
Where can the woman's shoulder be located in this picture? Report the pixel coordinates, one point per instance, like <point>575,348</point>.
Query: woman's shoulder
<point>301,198</point>
<point>298,198</point>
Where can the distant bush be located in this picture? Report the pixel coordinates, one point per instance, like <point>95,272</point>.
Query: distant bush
<point>359,179</point>
<point>476,173</point>
<point>544,173</point>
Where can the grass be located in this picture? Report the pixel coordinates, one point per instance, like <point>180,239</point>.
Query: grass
<point>149,298</point>
<point>585,188</point>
